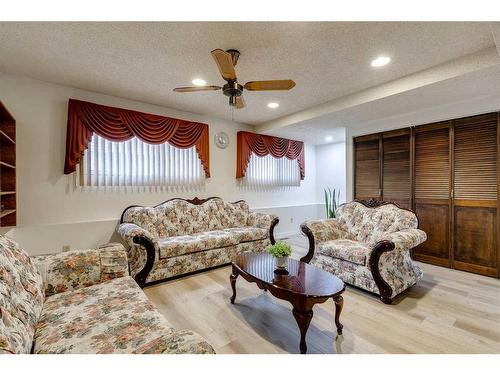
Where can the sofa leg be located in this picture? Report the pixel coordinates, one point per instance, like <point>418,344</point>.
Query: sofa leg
<point>386,300</point>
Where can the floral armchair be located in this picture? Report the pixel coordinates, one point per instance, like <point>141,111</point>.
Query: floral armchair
<point>182,236</point>
<point>368,247</point>
<point>81,301</point>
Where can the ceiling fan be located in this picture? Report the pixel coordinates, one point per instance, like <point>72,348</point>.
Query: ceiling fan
<point>226,61</point>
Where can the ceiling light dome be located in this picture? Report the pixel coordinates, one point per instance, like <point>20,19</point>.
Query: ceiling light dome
<point>198,82</point>
<point>381,61</point>
<point>273,105</point>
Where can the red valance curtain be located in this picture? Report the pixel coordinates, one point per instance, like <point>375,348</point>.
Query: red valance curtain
<point>262,145</point>
<point>117,124</point>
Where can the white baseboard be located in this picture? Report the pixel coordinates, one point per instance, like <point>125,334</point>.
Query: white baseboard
<point>282,235</point>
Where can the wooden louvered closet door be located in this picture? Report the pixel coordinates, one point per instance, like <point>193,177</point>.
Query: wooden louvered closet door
<point>396,185</point>
<point>475,194</point>
<point>367,171</point>
<point>432,191</point>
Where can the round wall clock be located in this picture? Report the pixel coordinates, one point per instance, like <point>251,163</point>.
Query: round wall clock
<point>221,140</point>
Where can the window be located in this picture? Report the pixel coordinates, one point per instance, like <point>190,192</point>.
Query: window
<point>264,160</point>
<point>137,163</point>
<point>270,171</point>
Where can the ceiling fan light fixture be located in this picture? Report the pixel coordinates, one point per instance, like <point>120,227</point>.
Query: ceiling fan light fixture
<point>198,82</point>
<point>381,61</point>
<point>226,61</point>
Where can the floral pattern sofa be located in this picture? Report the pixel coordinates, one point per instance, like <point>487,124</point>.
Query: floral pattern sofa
<point>368,247</point>
<point>182,236</point>
<point>82,301</point>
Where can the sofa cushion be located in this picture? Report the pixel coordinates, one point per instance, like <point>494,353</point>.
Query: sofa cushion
<point>178,217</point>
<point>226,215</point>
<point>368,224</point>
<point>247,234</point>
<point>348,250</point>
<point>21,298</point>
<point>112,317</point>
<point>145,217</point>
<point>188,244</point>
<point>80,268</point>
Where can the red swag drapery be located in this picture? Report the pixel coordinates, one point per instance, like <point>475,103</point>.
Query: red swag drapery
<point>262,145</point>
<point>117,124</point>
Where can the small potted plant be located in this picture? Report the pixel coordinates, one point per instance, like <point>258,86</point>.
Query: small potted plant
<point>281,251</point>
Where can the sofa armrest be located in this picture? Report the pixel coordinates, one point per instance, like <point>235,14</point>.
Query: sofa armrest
<point>81,268</point>
<point>406,239</point>
<point>129,231</point>
<point>264,221</point>
<point>318,231</point>
<point>143,250</point>
<point>392,249</point>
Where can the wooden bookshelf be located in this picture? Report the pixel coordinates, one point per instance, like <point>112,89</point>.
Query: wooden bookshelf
<point>8,198</point>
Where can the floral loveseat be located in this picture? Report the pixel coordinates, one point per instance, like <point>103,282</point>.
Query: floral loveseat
<point>368,247</point>
<point>183,236</point>
<point>80,302</point>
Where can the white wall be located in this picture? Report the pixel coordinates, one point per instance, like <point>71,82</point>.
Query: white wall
<point>52,212</point>
<point>330,172</point>
<point>349,156</point>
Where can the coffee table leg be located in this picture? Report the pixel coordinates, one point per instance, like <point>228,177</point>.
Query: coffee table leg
<point>232,278</point>
<point>339,304</point>
<point>303,319</point>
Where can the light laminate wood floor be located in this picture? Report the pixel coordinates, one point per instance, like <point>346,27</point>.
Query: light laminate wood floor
<point>449,311</point>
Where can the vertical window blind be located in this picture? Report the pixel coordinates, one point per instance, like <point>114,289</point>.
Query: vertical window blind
<point>270,171</point>
<point>137,163</point>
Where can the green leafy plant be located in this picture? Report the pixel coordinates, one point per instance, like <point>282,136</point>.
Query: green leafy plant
<point>279,249</point>
<point>332,199</point>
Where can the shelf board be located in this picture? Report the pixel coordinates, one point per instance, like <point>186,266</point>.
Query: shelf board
<point>5,136</point>
<point>4,113</point>
<point>6,212</point>
<point>4,164</point>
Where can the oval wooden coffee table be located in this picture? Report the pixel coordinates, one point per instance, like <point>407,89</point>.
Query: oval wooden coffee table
<point>303,287</point>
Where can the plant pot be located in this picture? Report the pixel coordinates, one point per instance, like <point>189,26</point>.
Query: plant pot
<point>281,263</point>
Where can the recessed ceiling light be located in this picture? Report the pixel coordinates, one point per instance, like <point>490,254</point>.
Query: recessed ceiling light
<point>198,82</point>
<point>381,61</point>
<point>329,138</point>
<point>273,105</point>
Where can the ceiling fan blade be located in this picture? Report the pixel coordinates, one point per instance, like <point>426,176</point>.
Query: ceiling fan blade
<point>283,84</point>
<point>224,62</point>
<point>197,88</point>
<point>240,102</point>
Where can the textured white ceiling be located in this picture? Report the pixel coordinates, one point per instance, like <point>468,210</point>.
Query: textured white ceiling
<point>470,94</point>
<point>145,61</point>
